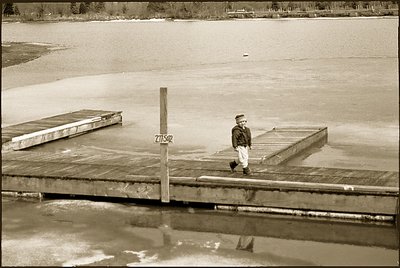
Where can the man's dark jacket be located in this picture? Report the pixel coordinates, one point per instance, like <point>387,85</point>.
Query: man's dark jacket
<point>240,136</point>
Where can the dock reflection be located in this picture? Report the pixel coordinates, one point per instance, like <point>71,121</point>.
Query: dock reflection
<point>267,239</point>
<point>82,232</point>
<point>249,225</point>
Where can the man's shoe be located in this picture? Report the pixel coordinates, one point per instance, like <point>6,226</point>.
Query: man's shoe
<point>233,164</point>
<point>246,171</point>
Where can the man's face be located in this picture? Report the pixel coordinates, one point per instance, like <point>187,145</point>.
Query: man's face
<point>242,123</point>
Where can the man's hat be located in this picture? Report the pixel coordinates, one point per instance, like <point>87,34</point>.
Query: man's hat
<point>239,118</point>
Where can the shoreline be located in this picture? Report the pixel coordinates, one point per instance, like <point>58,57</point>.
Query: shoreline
<point>310,14</point>
<point>199,20</point>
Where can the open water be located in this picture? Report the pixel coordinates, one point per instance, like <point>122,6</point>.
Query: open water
<point>339,73</point>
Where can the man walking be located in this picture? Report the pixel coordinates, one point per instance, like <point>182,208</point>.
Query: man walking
<point>241,142</point>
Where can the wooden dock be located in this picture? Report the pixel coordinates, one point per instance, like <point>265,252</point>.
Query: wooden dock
<point>279,145</point>
<point>48,129</point>
<point>304,188</point>
<point>272,187</point>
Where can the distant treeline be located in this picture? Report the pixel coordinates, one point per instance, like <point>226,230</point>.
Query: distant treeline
<point>178,10</point>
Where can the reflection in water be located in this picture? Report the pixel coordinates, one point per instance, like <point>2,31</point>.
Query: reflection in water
<point>245,243</point>
<point>82,232</point>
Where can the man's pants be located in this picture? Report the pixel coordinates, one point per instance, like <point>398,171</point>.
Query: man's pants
<point>243,156</point>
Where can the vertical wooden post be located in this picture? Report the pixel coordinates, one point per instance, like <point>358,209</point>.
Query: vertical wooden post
<point>164,172</point>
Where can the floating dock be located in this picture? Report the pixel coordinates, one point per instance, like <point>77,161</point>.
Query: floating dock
<point>272,188</point>
<point>48,129</point>
<point>279,145</point>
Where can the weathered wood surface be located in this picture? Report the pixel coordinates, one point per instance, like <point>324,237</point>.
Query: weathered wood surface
<point>164,170</point>
<point>48,129</point>
<point>324,189</point>
<point>278,145</point>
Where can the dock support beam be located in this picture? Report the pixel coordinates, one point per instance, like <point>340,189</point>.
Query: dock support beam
<point>164,172</point>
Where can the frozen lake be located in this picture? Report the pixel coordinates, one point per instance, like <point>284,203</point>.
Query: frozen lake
<point>339,73</point>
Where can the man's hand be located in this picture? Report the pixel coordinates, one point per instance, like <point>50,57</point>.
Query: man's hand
<point>236,149</point>
<point>250,147</point>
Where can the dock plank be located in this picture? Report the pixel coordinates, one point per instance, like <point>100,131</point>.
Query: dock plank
<point>187,168</point>
<point>269,184</point>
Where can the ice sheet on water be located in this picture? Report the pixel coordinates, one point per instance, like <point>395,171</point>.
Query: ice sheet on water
<point>39,44</point>
<point>98,256</point>
<point>42,249</point>
<point>199,260</point>
<point>74,205</point>
<point>142,257</point>
<point>64,203</point>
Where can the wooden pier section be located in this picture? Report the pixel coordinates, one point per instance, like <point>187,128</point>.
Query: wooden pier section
<point>279,145</point>
<point>48,129</point>
<point>304,188</point>
<point>371,194</point>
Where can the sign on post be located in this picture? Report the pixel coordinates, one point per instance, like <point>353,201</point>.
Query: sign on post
<point>163,138</point>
